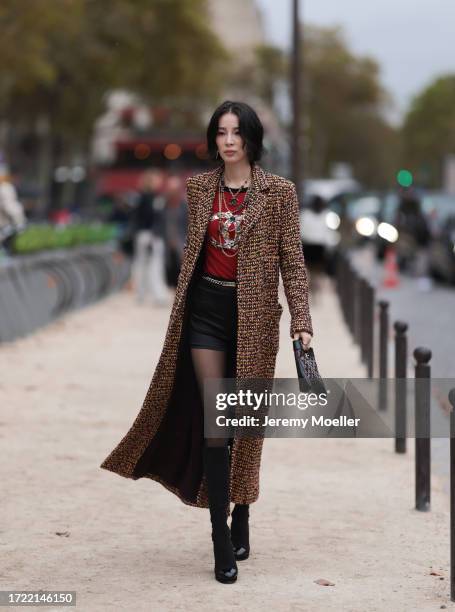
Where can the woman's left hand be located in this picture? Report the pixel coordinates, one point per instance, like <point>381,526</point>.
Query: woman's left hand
<point>306,339</point>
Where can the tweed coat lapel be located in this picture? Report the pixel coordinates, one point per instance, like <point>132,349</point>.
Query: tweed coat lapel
<point>252,211</point>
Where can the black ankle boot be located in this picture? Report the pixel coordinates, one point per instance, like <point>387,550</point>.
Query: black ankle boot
<point>216,467</point>
<point>240,533</point>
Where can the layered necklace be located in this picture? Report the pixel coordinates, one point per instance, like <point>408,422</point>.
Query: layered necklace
<point>228,220</point>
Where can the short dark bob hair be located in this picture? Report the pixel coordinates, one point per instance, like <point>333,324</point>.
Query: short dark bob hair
<point>250,128</point>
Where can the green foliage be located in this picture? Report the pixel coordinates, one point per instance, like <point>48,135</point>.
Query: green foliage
<point>343,105</point>
<point>60,57</point>
<point>271,68</point>
<point>429,131</point>
<point>43,237</point>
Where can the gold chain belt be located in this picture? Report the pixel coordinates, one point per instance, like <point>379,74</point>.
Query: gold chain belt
<point>225,283</point>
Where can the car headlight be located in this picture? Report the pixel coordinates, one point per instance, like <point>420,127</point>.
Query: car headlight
<point>332,220</point>
<point>365,226</point>
<point>388,232</point>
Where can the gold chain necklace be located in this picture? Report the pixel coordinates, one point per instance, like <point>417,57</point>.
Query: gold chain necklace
<point>233,201</point>
<point>235,241</point>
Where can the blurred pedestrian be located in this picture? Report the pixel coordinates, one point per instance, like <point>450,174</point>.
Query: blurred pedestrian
<point>149,248</point>
<point>175,227</point>
<point>314,231</point>
<point>414,238</point>
<point>318,239</point>
<point>12,215</point>
<point>121,215</point>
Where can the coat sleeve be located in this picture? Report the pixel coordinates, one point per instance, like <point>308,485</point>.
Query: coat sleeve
<point>189,202</point>
<point>292,264</point>
<point>189,190</point>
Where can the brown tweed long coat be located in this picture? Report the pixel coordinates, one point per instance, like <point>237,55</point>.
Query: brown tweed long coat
<point>165,441</point>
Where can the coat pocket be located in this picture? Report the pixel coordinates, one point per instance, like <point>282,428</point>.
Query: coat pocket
<point>271,328</point>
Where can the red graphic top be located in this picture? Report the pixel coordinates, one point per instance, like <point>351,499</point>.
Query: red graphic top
<point>216,262</point>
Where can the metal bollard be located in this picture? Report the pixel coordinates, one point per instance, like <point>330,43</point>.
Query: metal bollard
<point>342,281</point>
<point>338,277</point>
<point>351,299</point>
<point>401,359</point>
<point>362,306</point>
<point>383,348</point>
<point>366,314</point>
<point>422,429</point>
<point>452,495</point>
<point>357,301</point>
<point>348,294</point>
<point>371,293</point>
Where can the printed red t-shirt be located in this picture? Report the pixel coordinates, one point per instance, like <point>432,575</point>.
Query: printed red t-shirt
<point>216,262</point>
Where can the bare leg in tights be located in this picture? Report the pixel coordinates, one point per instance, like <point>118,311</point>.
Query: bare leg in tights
<point>209,363</point>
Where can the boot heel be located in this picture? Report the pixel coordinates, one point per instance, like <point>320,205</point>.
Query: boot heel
<point>225,566</point>
<point>240,534</point>
<point>241,552</point>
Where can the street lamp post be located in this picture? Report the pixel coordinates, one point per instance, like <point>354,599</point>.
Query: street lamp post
<point>296,76</point>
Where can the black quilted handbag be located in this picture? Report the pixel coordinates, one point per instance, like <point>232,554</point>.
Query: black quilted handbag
<point>307,369</point>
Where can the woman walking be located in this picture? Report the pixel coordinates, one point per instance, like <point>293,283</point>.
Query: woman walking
<point>243,228</point>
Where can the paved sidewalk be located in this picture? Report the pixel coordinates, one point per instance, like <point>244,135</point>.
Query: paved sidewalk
<point>337,509</point>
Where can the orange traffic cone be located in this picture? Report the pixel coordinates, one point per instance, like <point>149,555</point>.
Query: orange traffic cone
<point>391,277</point>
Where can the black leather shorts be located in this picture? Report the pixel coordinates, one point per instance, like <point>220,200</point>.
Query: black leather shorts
<point>213,316</point>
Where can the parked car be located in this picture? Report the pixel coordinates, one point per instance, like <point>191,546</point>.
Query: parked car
<point>358,214</point>
<point>442,246</point>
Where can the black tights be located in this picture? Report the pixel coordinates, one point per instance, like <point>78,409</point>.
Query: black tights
<point>209,363</point>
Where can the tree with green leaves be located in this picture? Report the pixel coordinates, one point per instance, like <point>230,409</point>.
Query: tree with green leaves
<point>343,105</point>
<point>61,57</point>
<point>429,131</point>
